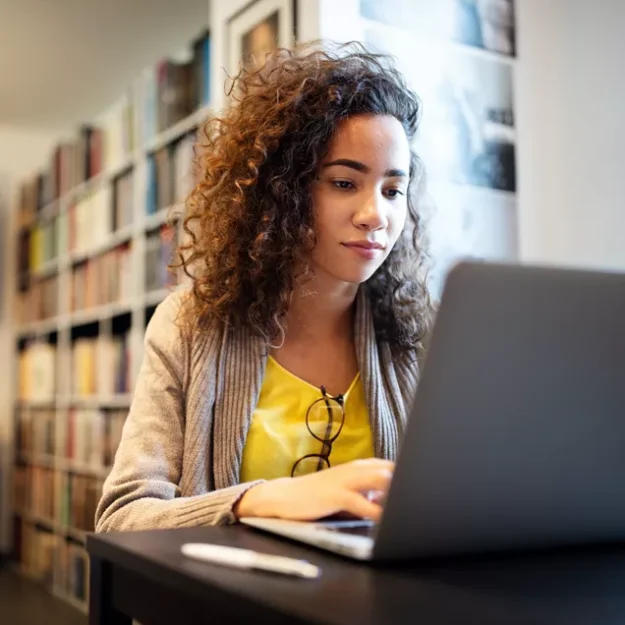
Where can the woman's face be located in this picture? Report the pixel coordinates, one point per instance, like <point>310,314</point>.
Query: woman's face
<point>360,197</point>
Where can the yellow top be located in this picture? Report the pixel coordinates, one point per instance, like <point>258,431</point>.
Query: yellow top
<point>278,435</point>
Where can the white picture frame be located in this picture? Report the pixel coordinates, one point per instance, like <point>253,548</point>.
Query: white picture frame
<point>253,16</point>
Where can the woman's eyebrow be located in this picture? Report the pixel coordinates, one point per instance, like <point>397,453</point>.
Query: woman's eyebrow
<point>365,169</point>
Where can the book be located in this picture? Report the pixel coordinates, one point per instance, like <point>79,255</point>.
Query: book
<point>123,200</point>
<point>90,220</point>
<point>184,175</point>
<point>35,549</point>
<point>113,368</point>
<point>84,367</point>
<point>37,371</point>
<point>164,178</point>
<point>160,248</point>
<point>174,92</point>
<point>103,279</point>
<point>35,434</point>
<point>201,70</point>
<point>171,175</point>
<point>101,365</point>
<point>118,134</point>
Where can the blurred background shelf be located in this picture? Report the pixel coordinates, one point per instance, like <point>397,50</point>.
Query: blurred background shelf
<point>111,241</point>
<point>97,401</point>
<point>178,130</point>
<point>94,241</point>
<point>158,219</point>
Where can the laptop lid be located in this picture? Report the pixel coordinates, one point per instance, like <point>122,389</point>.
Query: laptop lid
<point>517,435</point>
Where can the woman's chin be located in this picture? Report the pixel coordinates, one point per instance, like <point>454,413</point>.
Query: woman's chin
<point>350,273</point>
<point>354,277</point>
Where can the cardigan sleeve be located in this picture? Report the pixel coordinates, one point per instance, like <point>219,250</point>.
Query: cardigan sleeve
<point>142,490</point>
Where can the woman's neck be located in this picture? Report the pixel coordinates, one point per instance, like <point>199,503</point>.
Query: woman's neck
<point>321,311</point>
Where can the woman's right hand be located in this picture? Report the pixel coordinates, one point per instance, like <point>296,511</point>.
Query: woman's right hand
<point>343,488</point>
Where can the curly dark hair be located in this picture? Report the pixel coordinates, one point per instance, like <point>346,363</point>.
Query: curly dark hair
<point>249,221</point>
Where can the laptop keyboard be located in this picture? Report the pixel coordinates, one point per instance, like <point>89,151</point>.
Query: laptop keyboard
<point>358,528</point>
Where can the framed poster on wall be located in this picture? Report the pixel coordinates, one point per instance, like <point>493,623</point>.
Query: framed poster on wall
<point>257,29</point>
<point>484,24</point>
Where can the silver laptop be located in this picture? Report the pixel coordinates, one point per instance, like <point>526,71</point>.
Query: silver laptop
<point>517,435</point>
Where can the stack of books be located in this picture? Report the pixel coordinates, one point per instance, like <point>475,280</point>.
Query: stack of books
<point>103,279</point>
<point>100,366</point>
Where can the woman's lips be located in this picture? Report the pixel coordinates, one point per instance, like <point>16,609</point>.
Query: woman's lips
<point>368,251</point>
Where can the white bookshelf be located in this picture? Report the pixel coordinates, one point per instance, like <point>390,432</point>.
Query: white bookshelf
<point>95,401</point>
<point>157,219</point>
<point>111,241</point>
<point>48,269</point>
<point>177,130</point>
<point>100,318</point>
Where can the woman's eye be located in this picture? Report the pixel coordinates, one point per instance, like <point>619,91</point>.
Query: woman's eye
<point>393,193</point>
<point>343,184</point>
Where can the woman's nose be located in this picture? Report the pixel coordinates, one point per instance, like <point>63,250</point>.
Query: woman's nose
<point>371,215</point>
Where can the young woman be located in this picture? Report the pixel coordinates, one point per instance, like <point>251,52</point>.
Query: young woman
<point>278,384</point>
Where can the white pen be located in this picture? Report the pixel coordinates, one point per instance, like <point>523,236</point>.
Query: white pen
<point>248,559</point>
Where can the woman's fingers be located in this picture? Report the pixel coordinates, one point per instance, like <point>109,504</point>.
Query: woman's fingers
<point>376,496</point>
<point>371,476</point>
<point>358,505</point>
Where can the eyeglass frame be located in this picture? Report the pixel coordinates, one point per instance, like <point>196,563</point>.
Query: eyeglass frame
<point>327,442</point>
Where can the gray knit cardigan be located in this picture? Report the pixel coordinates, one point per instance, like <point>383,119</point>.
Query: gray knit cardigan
<point>180,455</point>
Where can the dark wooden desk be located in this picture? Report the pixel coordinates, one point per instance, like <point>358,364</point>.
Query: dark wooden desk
<point>143,575</point>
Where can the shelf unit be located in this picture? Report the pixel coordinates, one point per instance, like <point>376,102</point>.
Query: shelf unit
<point>131,313</point>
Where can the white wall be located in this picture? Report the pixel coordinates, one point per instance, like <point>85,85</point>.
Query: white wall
<point>571,122</point>
<point>22,153</point>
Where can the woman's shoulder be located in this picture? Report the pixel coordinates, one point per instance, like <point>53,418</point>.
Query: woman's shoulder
<point>169,314</point>
<point>173,338</point>
<point>173,321</point>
